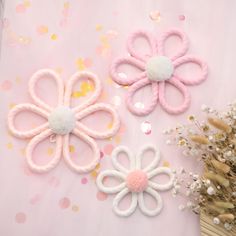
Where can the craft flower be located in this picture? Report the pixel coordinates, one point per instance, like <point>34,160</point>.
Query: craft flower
<point>157,69</point>
<point>135,180</point>
<point>62,121</point>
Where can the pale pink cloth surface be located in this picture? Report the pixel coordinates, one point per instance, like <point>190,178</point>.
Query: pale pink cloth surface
<point>90,34</point>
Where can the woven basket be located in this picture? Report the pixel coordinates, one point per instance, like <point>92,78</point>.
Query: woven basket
<point>208,228</point>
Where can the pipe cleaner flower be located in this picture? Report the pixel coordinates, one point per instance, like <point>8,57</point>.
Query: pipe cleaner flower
<point>62,121</point>
<point>136,180</point>
<point>157,70</point>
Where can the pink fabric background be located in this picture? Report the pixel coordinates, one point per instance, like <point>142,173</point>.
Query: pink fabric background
<point>89,34</point>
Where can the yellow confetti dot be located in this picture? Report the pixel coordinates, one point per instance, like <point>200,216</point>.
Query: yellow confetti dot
<point>80,64</point>
<point>94,174</point>
<point>98,27</point>
<point>97,166</point>
<point>11,105</point>
<point>50,151</point>
<point>54,37</point>
<point>59,70</point>
<point>9,145</point>
<point>75,208</point>
<point>27,3</point>
<point>71,148</point>
<point>18,79</point>
<point>166,164</point>
<point>23,151</point>
<point>117,139</point>
<point>109,126</point>
<point>66,5</point>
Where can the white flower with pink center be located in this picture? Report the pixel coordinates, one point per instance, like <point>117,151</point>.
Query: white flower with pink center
<point>136,181</point>
<point>62,121</point>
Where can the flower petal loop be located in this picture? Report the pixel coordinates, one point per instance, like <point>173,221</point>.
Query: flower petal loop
<point>94,108</point>
<point>22,108</point>
<point>40,75</point>
<point>119,197</point>
<point>32,145</point>
<point>150,40</point>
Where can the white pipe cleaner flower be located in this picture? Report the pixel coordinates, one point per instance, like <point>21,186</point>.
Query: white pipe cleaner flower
<point>136,180</point>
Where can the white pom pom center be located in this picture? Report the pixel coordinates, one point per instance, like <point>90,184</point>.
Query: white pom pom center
<point>159,68</point>
<point>62,120</point>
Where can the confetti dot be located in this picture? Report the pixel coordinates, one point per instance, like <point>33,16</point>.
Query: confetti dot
<point>6,85</point>
<point>9,146</point>
<point>94,174</point>
<point>54,37</point>
<point>146,127</point>
<point>20,218</point>
<point>64,203</point>
<point>35,199</point>
<point>54,181</point>
<point>101,196</point>
<point>88,62</point>
<point>181,17</point>
<point>20,8</point>
<point>166,164</point>
<point>50,151</point>
<point>27,3</point>
<point>108,149</point>
<point>155,16</point>
<point>98,27</point>
<point>72,148</point>
<point>84,180</point>
<point>101,154</point>
<point>75,208</point>
<point>42,29</point>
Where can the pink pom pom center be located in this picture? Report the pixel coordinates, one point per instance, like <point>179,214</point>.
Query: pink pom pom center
<point>137,181</point>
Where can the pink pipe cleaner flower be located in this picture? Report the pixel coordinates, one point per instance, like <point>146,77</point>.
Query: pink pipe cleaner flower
<point>63,121</point>
<point>157,70</point>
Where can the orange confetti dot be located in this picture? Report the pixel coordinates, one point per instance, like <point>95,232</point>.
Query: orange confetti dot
<point>42,29</point>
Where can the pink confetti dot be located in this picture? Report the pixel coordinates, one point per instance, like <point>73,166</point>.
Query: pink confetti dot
<point>64,203</point>
<point>20,8</point>
<point>20,218</point>
<point>108,149</point>
<point>6,85</point>
<point>181,17</point>
<point>101,154</point>
<point>35,199</point>
<point>101,196</point>
<point>84,180</point>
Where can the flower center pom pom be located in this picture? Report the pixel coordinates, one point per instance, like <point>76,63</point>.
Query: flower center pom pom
<point>62,120</point>
<point>137,181</point>
<point>159,68</point>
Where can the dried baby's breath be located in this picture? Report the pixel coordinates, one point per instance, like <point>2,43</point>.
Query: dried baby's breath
<point>212,141</point>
